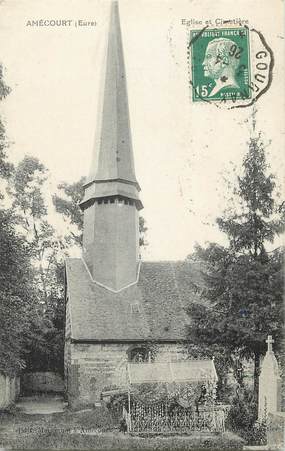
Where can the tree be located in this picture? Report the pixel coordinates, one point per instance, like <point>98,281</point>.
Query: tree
<point>142,231</point>
<point>5,166</point>
<point>29,332</point>
<point>68,205</point>
<point>16,296</point>
<point>47,348</point>
<point>243,299</point>
<point>15,274</point>
<point>27,186</point>
<point>46,250</point>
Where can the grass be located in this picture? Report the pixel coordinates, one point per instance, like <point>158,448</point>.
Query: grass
<point>95,429</point>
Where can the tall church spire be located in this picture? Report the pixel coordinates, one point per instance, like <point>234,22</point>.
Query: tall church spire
<point>113,170</point>
<point>111,201</point>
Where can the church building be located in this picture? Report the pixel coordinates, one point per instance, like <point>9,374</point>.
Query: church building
<point>118,308</point>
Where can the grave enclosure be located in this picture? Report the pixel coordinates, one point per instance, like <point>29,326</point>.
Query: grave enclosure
<point>169,398</point>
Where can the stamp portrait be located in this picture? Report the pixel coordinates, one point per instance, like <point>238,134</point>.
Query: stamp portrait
<point>220,64</point>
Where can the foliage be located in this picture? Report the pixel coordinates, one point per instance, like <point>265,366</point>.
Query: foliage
<point>202,392</point>
<point>31,299</point>
<point>242,302</point>
<point>5,166</point>
<point>142,231</point>
<point>46,250</point>
<point>27,187</point>
<point>46,350</point>
<point>259,217</point>
<point>15,274</point>
<point>242,419</point>
<point>245,299</point>
<point>224,361</point>
<point>67,204</point>
<point>16,295</point>
<point>241,415</point>
<point>257,435</point>
<point>188,395</point>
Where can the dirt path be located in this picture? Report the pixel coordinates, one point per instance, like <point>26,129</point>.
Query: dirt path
<point>41,405</point>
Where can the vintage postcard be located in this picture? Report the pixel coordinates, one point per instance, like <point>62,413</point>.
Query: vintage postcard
<point>141,224</point>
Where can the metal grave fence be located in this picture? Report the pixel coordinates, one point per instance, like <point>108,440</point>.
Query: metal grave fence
<point>161,417</point>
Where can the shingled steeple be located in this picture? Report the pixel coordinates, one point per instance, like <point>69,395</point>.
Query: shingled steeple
<point>112,170</point>
<point>111,201</point>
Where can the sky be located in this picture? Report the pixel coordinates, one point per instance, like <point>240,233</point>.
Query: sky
<point>182,149</point>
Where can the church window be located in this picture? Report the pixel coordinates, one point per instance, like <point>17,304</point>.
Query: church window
<point>139,354</point>
<point>135,307</point>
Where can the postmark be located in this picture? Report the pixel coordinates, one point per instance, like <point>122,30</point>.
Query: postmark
<point>229,66</point>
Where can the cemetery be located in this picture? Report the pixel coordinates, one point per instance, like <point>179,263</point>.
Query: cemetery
<point>102,349</point>
<point>159,400</point>
<point>163,398</point>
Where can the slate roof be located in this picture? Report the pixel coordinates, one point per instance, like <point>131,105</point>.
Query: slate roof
<point>114,143</point>
<point>163,292</point>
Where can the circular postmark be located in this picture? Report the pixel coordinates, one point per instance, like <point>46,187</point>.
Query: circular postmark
<point>229,67</point>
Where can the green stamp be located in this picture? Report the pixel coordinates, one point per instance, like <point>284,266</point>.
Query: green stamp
<point>220,63</point>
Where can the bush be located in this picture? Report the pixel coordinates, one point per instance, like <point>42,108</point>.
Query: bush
<point>257,434</point>
<point>242,414</point>
<point>242,419</point>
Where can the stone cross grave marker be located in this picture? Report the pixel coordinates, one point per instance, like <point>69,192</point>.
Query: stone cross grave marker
<point>269,383</point>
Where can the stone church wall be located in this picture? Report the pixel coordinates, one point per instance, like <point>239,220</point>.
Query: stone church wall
<point>90,368</point>
<point>170,352</point>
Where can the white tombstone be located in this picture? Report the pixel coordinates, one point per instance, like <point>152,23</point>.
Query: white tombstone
<point>269,383</point>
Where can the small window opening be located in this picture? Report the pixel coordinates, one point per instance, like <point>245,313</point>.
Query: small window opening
<point>105,201</point>
<point>135,308</point>
<point>112,201</point>
<point>99,201</point>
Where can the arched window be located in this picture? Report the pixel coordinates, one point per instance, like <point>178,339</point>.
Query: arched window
<point>139,354</point>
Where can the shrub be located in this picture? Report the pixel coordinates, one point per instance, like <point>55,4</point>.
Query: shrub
<point>242,414</point>
<point>257,434</point>
<point>242,419</point>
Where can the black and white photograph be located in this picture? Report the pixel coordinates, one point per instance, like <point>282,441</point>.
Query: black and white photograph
<point>142,218</point>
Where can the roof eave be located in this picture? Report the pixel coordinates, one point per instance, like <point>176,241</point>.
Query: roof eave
<point>127,340</point>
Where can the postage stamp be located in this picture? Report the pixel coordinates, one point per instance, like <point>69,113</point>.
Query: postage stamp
<point>220,64</point>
